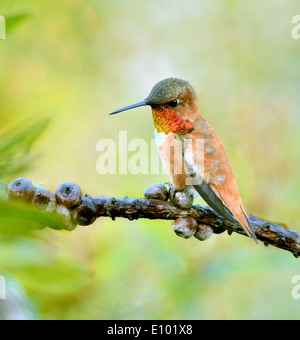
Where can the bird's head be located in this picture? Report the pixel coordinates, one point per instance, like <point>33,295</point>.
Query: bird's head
<point>173,102</point>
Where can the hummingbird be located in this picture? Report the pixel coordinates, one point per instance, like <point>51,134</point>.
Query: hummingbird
<point>177,119</point>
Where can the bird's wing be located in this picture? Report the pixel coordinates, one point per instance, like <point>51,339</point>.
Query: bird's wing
<point>217,185</point>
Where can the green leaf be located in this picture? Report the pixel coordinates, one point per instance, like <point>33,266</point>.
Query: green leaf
<point>15,20</point>
<point>17,306</point>
<point>15,148</point>
<point>21,218</point>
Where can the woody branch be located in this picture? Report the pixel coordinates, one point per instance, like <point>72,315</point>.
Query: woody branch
<point>198,221</point>
<point>135,208</point>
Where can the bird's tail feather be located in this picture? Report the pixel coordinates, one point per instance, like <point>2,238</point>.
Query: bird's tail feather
<point>209,196</point>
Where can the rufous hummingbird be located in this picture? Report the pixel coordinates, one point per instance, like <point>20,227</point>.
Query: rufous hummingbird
<point>177,119</point>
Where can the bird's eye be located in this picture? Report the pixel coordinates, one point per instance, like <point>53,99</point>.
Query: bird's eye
<point>173,103</point>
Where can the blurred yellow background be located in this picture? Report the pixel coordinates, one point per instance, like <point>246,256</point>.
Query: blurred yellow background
<point>76,61</point>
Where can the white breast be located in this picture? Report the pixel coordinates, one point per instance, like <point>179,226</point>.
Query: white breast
<point>160,137</point>
<point>182,149</point>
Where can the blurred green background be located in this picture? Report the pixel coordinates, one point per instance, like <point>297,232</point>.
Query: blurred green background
<point>76,61</point>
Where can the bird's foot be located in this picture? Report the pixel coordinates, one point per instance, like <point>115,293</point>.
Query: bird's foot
<point>171,190</point>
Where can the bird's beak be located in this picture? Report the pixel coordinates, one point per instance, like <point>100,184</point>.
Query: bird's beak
<point>132,106</point>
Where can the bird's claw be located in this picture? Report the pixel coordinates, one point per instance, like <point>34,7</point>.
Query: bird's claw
<point>172,192</point>
<point>171,189</point>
